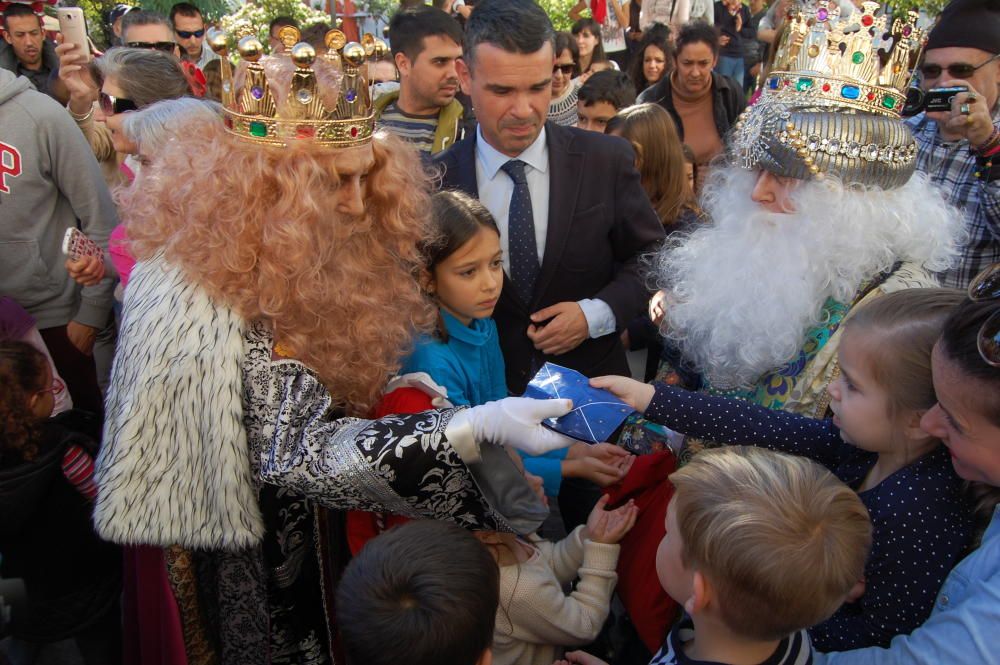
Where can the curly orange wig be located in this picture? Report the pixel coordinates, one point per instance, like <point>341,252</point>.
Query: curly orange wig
<point>257,228</point>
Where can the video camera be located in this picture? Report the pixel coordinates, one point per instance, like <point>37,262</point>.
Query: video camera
<point>933,100</point>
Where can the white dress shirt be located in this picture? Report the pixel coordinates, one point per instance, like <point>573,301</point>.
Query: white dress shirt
<point>495,191</point>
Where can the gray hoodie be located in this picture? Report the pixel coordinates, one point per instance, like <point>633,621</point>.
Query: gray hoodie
<point>49,182</point>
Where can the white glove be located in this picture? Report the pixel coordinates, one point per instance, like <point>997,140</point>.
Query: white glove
<point>512,421</point>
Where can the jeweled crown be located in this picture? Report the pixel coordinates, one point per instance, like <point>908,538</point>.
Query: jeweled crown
<point>296,95</point>
<point>858,62</point>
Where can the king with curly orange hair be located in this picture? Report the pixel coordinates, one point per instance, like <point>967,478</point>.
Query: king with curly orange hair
<point>275,295</point>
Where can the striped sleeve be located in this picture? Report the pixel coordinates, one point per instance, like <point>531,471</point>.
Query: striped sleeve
<point>78,467</point>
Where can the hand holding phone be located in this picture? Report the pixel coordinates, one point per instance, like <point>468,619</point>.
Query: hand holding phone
<point>76,245</point>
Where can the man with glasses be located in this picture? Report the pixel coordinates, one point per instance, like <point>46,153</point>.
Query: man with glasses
<point>957,148</point>
<point>142,29</point>
<point>189,28</point>
<point>426,44</point>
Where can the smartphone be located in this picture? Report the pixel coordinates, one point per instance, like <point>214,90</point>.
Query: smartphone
<point>73,27</point>
<point>940,99</point>
<point>76,245</point>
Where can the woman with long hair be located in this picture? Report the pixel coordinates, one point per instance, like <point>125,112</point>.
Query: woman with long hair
<point>588,40</point>
<point>653,58</point>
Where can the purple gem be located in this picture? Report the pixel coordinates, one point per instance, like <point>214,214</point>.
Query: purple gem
<point>907,31</point>
<point>822,14</point>
<point>351,96</point>
<point>257,92</point>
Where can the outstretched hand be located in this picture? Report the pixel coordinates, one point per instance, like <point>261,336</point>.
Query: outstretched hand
<point>517,422</point>
<point>610,526</point>
<point>635,394</point>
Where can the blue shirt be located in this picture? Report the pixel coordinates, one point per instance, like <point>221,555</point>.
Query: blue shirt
<point>963,624</point>
<point>470,366</point>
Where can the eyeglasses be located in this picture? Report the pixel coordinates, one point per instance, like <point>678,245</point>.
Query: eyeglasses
<point>166,47</point>
<point>960,70</point>
<point>567,70</point>
<point>185,34</point>
<point>986,286</point>
<point>112,105</point>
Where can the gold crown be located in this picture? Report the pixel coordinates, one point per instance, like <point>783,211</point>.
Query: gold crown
<point>281,98</point>
<point>855,63</point>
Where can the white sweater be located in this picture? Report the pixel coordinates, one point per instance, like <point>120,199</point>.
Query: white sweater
<point>536,618</point>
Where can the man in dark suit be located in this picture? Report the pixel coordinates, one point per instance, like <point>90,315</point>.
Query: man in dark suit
<point>572,213</point>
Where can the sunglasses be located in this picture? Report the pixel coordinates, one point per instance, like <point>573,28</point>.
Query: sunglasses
<point>112,105</point>
<point>960,70</point>
<point>185,34</point>
<point>567,70</point>
<point>986,286</point>
<point>166,47</point>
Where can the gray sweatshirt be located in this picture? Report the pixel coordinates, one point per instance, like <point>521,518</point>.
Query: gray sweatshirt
<point>49,182</point>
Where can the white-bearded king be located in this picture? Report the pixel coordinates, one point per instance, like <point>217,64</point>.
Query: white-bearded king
<point>275,293</point>
<point>819,210</point>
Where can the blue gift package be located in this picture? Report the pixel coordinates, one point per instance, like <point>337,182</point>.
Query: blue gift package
<point>596,413</point>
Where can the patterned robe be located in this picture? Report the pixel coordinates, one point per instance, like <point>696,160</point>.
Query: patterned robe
<point>232,460</point>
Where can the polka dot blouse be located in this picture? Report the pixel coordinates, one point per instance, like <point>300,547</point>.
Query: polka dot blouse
<point>922,521</point>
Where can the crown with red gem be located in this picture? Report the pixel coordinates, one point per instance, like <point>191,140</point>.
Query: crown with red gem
<point>297,94</point>
<point>858,62</point>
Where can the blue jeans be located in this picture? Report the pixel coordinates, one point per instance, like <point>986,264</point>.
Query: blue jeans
<point>731,67</point>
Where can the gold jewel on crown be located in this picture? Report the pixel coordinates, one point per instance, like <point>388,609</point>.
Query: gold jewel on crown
<point>855,63</point>
<point>282,98</point>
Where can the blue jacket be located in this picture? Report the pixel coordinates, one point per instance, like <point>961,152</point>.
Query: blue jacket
<point>963,624</point>
<point>470,365</point>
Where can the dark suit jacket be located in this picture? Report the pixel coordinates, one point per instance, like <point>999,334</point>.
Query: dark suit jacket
<point>600,223</point>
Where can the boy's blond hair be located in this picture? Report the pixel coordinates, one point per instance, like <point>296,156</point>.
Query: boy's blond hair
<point>779,538</point>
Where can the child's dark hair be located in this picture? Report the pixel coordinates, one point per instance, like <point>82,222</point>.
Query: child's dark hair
<point>609,86</point>
<point>423,593</point>
<point>457,219</point>
<point>22,374</point>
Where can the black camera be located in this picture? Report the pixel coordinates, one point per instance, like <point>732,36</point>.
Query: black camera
<point>935,99</point>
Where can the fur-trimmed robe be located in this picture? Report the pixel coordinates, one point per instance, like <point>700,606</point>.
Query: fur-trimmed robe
<point>212,445</point>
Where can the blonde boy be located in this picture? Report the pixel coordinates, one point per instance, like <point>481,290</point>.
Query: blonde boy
<point>759,545</point>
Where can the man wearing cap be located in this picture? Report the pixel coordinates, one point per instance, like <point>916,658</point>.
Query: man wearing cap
<point>959,149</point>
<point>818,211</point>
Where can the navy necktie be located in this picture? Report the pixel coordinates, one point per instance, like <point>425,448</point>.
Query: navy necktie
<point>521,233</point>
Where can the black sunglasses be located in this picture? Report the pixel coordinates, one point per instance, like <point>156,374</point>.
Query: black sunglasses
<point>567,70</point>
<point>185,34</point>
<point>986,286</point>
<point>960,70</point>
<point>166,47</point>
<point>112,105</point>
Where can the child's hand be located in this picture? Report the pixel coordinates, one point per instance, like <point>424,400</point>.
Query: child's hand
<point>635,394</point>
<point>579,658</point>
<point>601,463</point>
<point>610,526</point>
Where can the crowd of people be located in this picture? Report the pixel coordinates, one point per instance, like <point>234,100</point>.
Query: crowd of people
<point>270,298</point>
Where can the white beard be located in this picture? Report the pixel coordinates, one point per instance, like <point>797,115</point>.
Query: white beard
<point>745,288</point>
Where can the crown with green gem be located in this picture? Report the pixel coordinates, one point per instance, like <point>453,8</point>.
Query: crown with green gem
<point>296,95</point>
<point>856,63</point>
